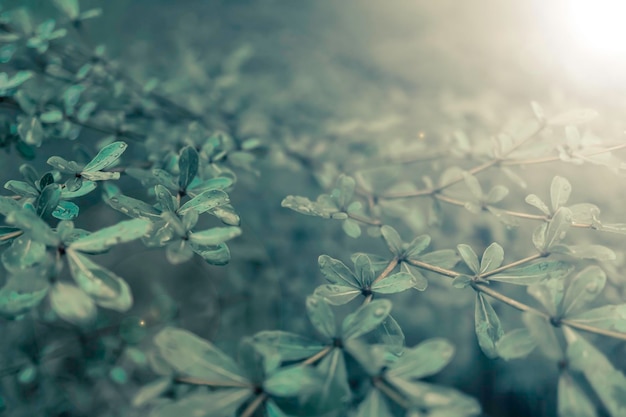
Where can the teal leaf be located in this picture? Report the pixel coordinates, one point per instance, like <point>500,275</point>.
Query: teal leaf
<point>31,131</point>
<point>8,205</point>
<point>417,246</point>
<point>337,294</point>
<point>535,273</point>
<point>345,187</point>
<point>107,289</point>
<point>72,304</point>
<point>187,165</point>
<point>132,207</point>
<point>364,269</point>
<point>336,272</point>
<point>374,405</point>
<point>321,316</point>
<point>194,357</point>
<point>108,237</point>
<point>205,201</point>
<point>393,240</point>
<point>226,214</point>
<point>62,165</point>
<point>390,334</point>
<point>462,281</point>
<point>334,389</point>
<point>85,188</point>
<point>543,334</point>
<point>213,254</point>
<point>608,383</point>
<point>596,252</point>
<point>420,282</point>
<point>496,194</point>
<point>273,410</point>
<point>106,157</point>
<point>220,403</point>
<point>178,252</point>
<point>21,188</point>
<point>52,116</point>
<point>560,190</point>
<point>165,199</point>
<point>469,257</point>
<point>23,253</point>
<point>150,391</point>
<point>29,222</point>
<point>515,344</point>
<point>492,258</point>
<point>426,359</point>
<point>572,400</point>
<point>549,293</point>
<point>557,228</point>
<point>351,227</point>
<point>48,200</point>
<point>21,293</point>
<point>583,288</point>
<point>473,185</point>
<point>609,317</point>
<point>365,319</point>
<point>215,236</point>
<point>290,346</point>
<point>100,176</point>
<point>395,283</point>
<point>538,203</point>
<point>65,210</point>
<point>292,381</point>
<point>69,7</point>
<point>488,327</point>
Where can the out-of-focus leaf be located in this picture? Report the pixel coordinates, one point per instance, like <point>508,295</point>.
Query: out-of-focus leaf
<point>72,304</point>
<point>365,319</point>
<point>108,237</point>
<point>488,327</point>
<point>515,344</point>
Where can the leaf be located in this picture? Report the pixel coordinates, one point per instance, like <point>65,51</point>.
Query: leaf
<point>416,247</point>
<point>395,283</point>
<point>374,405</point>
<point>72,304</point>
<point>100,176</point>
<point>445,258</point>
<point>364,269</point>
<point>107,289</point>
<point>345,187</point>
<point>351,227</point>
<point>188,166</point>
<point>535,273</point>
<point>572,400</point>
<point>7,205</point>
<point>392,239</point>
<point>597,252</point>
<point>321,316</point>
<point>488,327</point>
<point>215,236</point>
<point>21,293</point>
<point>215,255</point>
<point>515,344</point>
<point>29,222</point>
<point>420,282</point>
<point>608,383</point>
<point>573,117</point>
<point>365,319</point>
<point>290,346</point>
<point>426,359</point>
<point>609,317</point>
<point>178,252</point>
<point>165,199</point>
<point>69,7</point>
<point>544,336</point>
<point>557,228</point>
<point>85,188</point>
<point>496,194</point>
<point>390,334</point>
<point>220,403</point>
<point>194,357</point>
<point>337,294</point>
<point>292,381</point>
<point>106,157</point>
<point>334,389</point>
<point>469,257</point>
<point>583,288</point>
<point>205,201</point>
<point>560,190</point>
<point>473,185</point>
<point>66,210</point>
<point>336,272</point>
<point>48,200</point>
<point>31,131</point>
<point>492,258</point>
<point>53,116</point>
<point>132,207</point>
<point>151,391</point>
<point>537,202</point>
<point>21,188</point>
<point>108,237</point>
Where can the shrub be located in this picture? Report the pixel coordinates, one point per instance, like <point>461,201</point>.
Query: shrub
<point>447,260</point>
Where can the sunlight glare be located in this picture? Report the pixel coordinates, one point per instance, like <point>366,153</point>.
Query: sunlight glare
<point>599,25</point>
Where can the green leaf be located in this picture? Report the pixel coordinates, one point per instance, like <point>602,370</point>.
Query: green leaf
<point>462,281</point>
<point>132,207</point>
<point>31,131</point>
<point>72,304</point>
<point>583,288</point>
<point>7,205</point>
<point>390,334</point>
<point>48,200</point>
<point>426,359</point>
<point>365,319</point>
<point>608,383</point>
<point>85,188</point>
<point>194,357</point>
<point>305,206</point>
<point>572,400</point>
<point>336,272</point>
<point>416,247</point>
<point>345,188</point>
<point>445,258</point>
<point>488,327</point>
<point>351,227</point>
<point>321,316</point>
<point>151,391</point>
<point>21,293</point>
<point>165,199</point>
<point>290,346</point>
<point>108,237</point>
<point>220,403</point>
<point>469,257</point>
<point>420,282</point>
<point>543,334</point>
<point>187,165</point>
<point>100,176</point>
<point>374,405</point>
<point>492,258</point>
<point>364,269</point>
<point>532,274</point>
<point>215,236</point>
<point>106,157</point>
<point>549,293</point>
<point>560,190</point>
<point>36,228</point>
<point>395,283</point>
<point>515,344</point>
<point>69,7</point>
<point>52,116</point>
<point>21,188</point>
<point>178,252</point>
<point>23,253</point>
<point>205,201</point>
<point>496,194</point>
<point>292,381</point>
<point>597,252</point>
<point>473,185</point>
<point>213,254</point>
<point>537,202</point>
<point>393,240</point>
<point>107,289</point>
<point>609,317</point>
<point>337,294</point>
<point>335,389</point>
<point>65,210</point>
<point>557,228</point>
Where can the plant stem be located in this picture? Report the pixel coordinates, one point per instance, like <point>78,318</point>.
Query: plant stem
<point>390,266</point>
<point>506,300</point>
<point>11,235</point>
<point>319,355</point>
<point>512,265</point>
<point>251,408</point>
<point>364,220</point>
<point>389,392</point>
<point>434,268</point>
<point>584,327</point>
<point>199,381</point>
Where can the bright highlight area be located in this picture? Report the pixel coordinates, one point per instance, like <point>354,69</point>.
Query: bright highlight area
<point>599,25</point>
